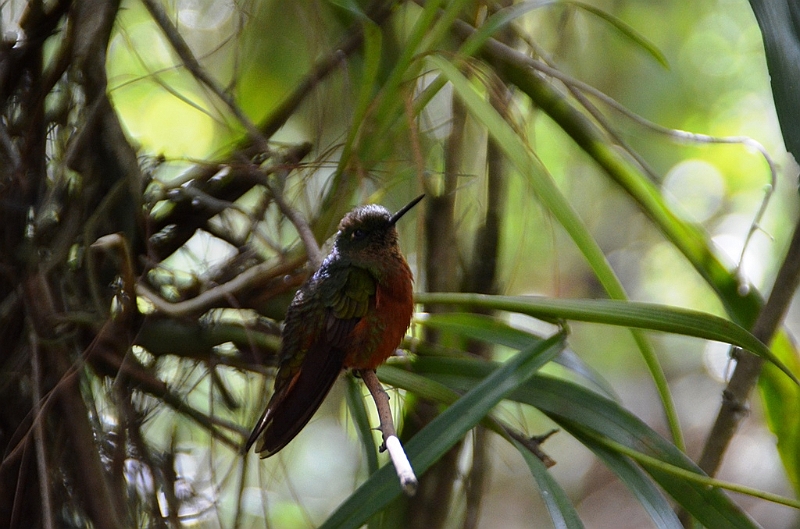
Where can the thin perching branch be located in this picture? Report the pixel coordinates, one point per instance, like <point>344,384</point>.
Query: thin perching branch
<point>408,480</point>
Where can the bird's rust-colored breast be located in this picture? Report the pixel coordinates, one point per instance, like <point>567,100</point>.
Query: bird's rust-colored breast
<point>377,336</point>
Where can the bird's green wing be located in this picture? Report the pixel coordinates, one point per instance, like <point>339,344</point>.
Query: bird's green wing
<point>312,357</point>
<point>348,303</point>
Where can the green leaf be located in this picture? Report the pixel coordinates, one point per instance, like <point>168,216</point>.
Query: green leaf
<point>627,31</point>
<point>442,433</point>
<point>578,410</point>
<point>782,406</point>
<point>622,313</point>
<point>358,410</point>
<point>561,510</point>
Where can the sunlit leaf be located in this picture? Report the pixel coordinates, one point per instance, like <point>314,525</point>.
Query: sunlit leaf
<point>782,406</point>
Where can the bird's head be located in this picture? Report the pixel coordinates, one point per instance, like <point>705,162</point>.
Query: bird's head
<point>368,232</point>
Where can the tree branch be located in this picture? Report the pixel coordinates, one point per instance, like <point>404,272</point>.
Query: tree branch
<point>217,295</point>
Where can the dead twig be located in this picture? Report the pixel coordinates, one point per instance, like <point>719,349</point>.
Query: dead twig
<point>533,444</point>
<point>213,297</point>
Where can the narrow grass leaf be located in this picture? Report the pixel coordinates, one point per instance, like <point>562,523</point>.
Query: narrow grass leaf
<point>781,401</point>
<point>562,512</point>
<point>578,409</point>
<point>443,432</point>
<point>621,313</point>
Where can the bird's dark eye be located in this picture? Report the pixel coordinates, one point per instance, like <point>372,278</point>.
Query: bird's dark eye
<point>358,234</point>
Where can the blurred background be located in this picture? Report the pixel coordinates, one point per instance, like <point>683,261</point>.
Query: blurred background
<point>365,132</point>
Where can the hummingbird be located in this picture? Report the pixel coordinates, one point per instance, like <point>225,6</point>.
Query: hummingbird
<point>351,314</point>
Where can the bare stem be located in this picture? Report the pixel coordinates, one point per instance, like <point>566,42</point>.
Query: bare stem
<point>302,227</point>
<point>408,480</point>
<point>39,436</point>
<point>748,366</point>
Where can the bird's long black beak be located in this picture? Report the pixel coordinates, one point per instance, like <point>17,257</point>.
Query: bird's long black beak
<point>405,209</point>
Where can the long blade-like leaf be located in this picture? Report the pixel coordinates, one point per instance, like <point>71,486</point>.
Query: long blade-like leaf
<point>444,432</point>
<point>562,512</point>
<point>575,407</point>
<point>623,313</point>
<point>521,156</point>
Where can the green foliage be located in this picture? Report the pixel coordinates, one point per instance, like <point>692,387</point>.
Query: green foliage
<point>443,432</point>
<point>782,406</point>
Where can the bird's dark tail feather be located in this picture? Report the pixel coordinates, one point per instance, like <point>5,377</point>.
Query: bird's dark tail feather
<point>287,414</point>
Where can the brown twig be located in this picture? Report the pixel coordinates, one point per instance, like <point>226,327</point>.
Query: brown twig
<point>300,224</point>
<point>748,366</point>
<point>39,435</point>
<point>408,480</point>
<point>214,296</point>
<point>533,444</point>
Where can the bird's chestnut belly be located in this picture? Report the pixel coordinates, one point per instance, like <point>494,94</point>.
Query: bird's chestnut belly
<point>376,337</point>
